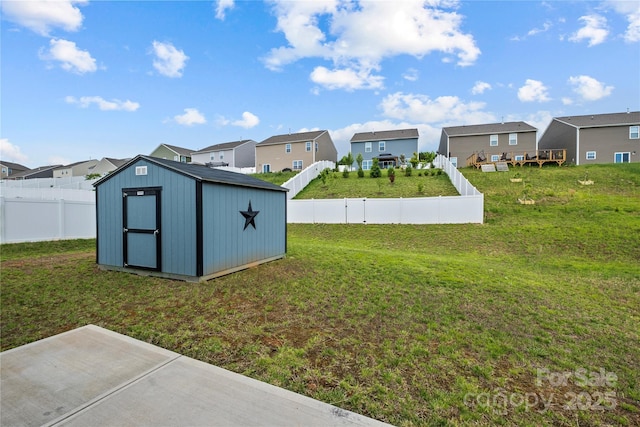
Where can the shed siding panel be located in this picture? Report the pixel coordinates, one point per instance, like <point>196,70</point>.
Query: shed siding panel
<point>226,243</point>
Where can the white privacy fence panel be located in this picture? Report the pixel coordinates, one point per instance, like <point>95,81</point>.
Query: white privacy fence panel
<point>71,182</point>
<point>24,220</point>
<point>301,180</point>
<point>424,210</point>
<point>48,194</point>
<point>458,180</point>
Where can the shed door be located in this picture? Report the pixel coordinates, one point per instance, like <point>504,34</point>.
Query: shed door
<point>141,221</point>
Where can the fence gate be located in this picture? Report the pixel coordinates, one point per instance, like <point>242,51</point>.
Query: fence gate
<point>141,219</point>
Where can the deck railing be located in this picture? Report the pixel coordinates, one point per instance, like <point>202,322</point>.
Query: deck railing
<point>519,158</point>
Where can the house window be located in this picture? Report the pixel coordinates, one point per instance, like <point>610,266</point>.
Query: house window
<point>366,164</point>
<point>266,168</point>
<point>381,146</point>
<point>221,156</point>
<point>287,148</point>
<point>591,155</point>
<point>495,157</point>
<point>454,161</point>
<point>493,140</point>
<point>297,165</point>
<point>176,158</point>
<point>519,158</point>
<point>4,171</point>
<point>316,147</point>
<point>513,139</point>
<point>634,132</point>
<point>308,146</point>
<point>213,156</point>
<point>622,157</point>
<point>367,147</point>
<point>141,170</point>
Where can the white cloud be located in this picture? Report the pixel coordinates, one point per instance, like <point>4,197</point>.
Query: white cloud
<point>631,11</point>
<point>589,89</point>
<point>411,74</point>
<point>169,61</point>
<point>43,16</point>
<point>190,117</point>
<point>248,121</point>
<point>533,91</point>
<point>10,152</point>
<point>359,36</point>
<point>594,30</point>
<point>480,87</point>
<point>567,101</point>
<point>347,79</point>
<point>103,104</point>
<point>545,27</point>
<point>222,6</point>
<point>444,109</point>
<point>71,58</point>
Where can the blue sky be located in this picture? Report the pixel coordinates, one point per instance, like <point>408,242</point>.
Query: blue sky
<point>93,79</point>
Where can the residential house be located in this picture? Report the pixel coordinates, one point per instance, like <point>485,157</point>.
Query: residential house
<point>9,168</point>
<point>238,154</point>
<point>495,141</point>
<point>106,165</point>
<point>171,152</point>
<point>74,169</point>
<point>39,172</point>
<point>597,138</point>
<point>294,151</point>
<point>387,146</point>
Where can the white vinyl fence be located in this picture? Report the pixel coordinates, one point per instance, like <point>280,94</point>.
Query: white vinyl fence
<point>29,220</point>
<point>301,180</point>
<point>70,182</point>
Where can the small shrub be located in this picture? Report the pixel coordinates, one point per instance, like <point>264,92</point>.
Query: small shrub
<point>408,170</point>
<point>345,173</point>
<point>419,173</point>
<point>360,173</point>
<point>420,187</point>
<point>439,172</point>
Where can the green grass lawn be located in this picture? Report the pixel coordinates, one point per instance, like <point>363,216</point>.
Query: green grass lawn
<point>410,324</point>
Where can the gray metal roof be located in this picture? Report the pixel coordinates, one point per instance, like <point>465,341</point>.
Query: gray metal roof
<point>200,173</point>
<point>292,137</point>
<point>600,120</point>
<point>179,150</point>
<point>489,129</point>
<point>223,146</point>
<point>385,135</point>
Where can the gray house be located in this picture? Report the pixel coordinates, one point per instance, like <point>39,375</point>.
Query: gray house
<point>496,141</point>
<point>387,146</point>
<point>9,168</point>
<point>597,138</point>
<point>185,221</point>
<point>294,151</point>
<point>39,172</point>
<point>238,154</point>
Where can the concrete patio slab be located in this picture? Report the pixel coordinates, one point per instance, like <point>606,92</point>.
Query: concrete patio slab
<point>95,377</point>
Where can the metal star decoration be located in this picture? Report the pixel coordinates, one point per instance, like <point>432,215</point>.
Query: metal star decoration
<point>249,217</point>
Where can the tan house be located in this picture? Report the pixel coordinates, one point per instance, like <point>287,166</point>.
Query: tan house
<point>75,169</point>
<point>494,141</point>
<point>597,138</point>
<point>294,151</point>
<point>9,168</point>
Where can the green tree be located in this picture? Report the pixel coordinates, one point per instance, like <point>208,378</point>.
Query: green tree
<point>375,169</point>
<point>359,160</point>
<point>349,159</point>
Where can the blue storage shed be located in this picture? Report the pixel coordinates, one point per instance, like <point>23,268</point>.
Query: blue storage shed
<point>185,221</point>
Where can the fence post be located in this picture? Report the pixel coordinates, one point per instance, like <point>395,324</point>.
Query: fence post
<point>2,221</point>
<point>61,219</point>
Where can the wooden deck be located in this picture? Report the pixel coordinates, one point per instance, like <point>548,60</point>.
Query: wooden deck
<point>519,158</point>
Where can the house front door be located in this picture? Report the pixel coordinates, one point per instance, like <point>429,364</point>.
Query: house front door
<point>141,228</point>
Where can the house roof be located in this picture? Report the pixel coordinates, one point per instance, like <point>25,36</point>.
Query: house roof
<point>200,173</point>
<point>117,162</point>
<point>292,137</point>
<point>75,164</point>
<point>223,146</point>
<point>14,166</point>
<point>600,120</point>
<point>35,171</point>
<point>488,129</point>
<point>385,135</point>
<point>179,150</point>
